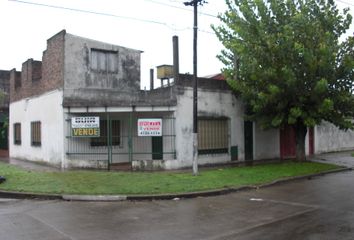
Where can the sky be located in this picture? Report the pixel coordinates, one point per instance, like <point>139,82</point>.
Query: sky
<point>146,25</point>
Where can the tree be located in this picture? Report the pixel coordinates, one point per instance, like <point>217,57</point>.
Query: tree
<point>285,60</point>
<point>3,126</point>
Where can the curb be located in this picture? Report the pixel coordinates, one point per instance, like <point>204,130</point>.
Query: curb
<point>177,196</point>
<point>95,198</point>
<point>25,195</point>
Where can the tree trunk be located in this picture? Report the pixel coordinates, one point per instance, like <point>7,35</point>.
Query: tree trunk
<point>300,133</point>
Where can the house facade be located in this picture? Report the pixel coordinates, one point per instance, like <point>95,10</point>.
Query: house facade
<point>80,79</point>
<point>81,107</point>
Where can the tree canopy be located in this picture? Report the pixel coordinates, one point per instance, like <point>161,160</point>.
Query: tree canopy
<point>288,62</point>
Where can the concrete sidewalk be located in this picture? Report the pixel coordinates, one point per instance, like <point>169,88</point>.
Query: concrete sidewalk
<point>29,165</point>
<point>343,158</point>
<point>338,158</point>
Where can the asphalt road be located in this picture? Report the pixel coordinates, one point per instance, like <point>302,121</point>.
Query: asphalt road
<point>320,208</point>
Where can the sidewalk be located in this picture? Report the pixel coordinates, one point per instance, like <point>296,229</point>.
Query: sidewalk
<point>338,158</point>
<point>29,165</point>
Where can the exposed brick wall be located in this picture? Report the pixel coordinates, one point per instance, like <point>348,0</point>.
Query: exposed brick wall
<point>38,77</point>
<point>15,85</point>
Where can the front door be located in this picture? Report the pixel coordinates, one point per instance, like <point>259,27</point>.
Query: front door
<point>287,142</point>
<point>157,148</point>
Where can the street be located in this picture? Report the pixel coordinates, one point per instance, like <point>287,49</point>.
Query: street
<point>320,208</point>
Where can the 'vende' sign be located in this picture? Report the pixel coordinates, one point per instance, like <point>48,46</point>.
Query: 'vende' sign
<point>85,126</point>
<point>149,127</point>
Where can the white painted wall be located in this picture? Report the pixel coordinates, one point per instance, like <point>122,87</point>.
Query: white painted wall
<point>265,143</point>
<point>210,104</point>
<point>329,138</point>
<point>48,110</point>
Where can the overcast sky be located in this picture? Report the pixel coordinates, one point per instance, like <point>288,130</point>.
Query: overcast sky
<point>146,25</point>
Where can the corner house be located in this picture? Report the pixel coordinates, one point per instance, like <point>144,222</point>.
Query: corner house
<point>82,107</point>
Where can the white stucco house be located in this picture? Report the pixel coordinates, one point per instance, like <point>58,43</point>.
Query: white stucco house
<point>81,106</point>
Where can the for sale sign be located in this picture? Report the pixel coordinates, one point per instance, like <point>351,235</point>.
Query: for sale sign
<point>85,126</point>
<point>149,127</point>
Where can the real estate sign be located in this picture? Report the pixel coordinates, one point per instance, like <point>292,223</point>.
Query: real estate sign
<point>85,126</point>
<point>149,127</point>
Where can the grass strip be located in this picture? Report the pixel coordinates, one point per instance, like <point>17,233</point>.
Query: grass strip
<point>99,182</point>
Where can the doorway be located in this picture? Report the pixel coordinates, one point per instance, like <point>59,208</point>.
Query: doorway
<point>248,134</point>
<point>157,148</point>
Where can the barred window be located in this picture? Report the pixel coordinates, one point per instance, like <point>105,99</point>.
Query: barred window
<point>213,136</point>
<point>36,134</point>
<point>17,133</point>
<point>115,134</point>
<point>104,61</point>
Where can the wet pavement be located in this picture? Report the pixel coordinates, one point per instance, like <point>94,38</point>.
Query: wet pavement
<point>320,208</point>
<point>338,158</point>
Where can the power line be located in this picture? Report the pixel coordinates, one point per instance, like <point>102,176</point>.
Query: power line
<point>347,3</point>
<point>172,27</point>
<point>181,8</point>
<point>90,12</point>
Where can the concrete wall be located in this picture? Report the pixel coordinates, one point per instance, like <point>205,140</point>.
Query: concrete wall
<point>265,143</point>
<point>214,104</point>
<point>329,138</point>
<point>47,109</point>
<point>85,86</point>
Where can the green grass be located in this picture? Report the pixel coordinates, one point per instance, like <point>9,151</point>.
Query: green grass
<point>99,182</point>
<point>352,154</point>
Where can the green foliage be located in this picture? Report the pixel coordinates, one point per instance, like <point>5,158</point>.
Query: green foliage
<point>4,127</point>
<point>286,61</point>
<point>92,182</point>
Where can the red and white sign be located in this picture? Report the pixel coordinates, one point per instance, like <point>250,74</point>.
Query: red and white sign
<point>149,127</point>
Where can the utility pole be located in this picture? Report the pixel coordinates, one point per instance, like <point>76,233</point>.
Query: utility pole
<point>195,4</point>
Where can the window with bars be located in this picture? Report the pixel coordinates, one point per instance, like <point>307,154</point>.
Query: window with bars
<point>17,133</point>
<point>104,61</point>
<point>213,136</point>
<point>36,139</point>
<point>115,134</point>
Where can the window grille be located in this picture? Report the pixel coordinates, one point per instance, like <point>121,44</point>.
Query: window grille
<point>17,133</point>
<point>36,139</point>
<point>213,136</point>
